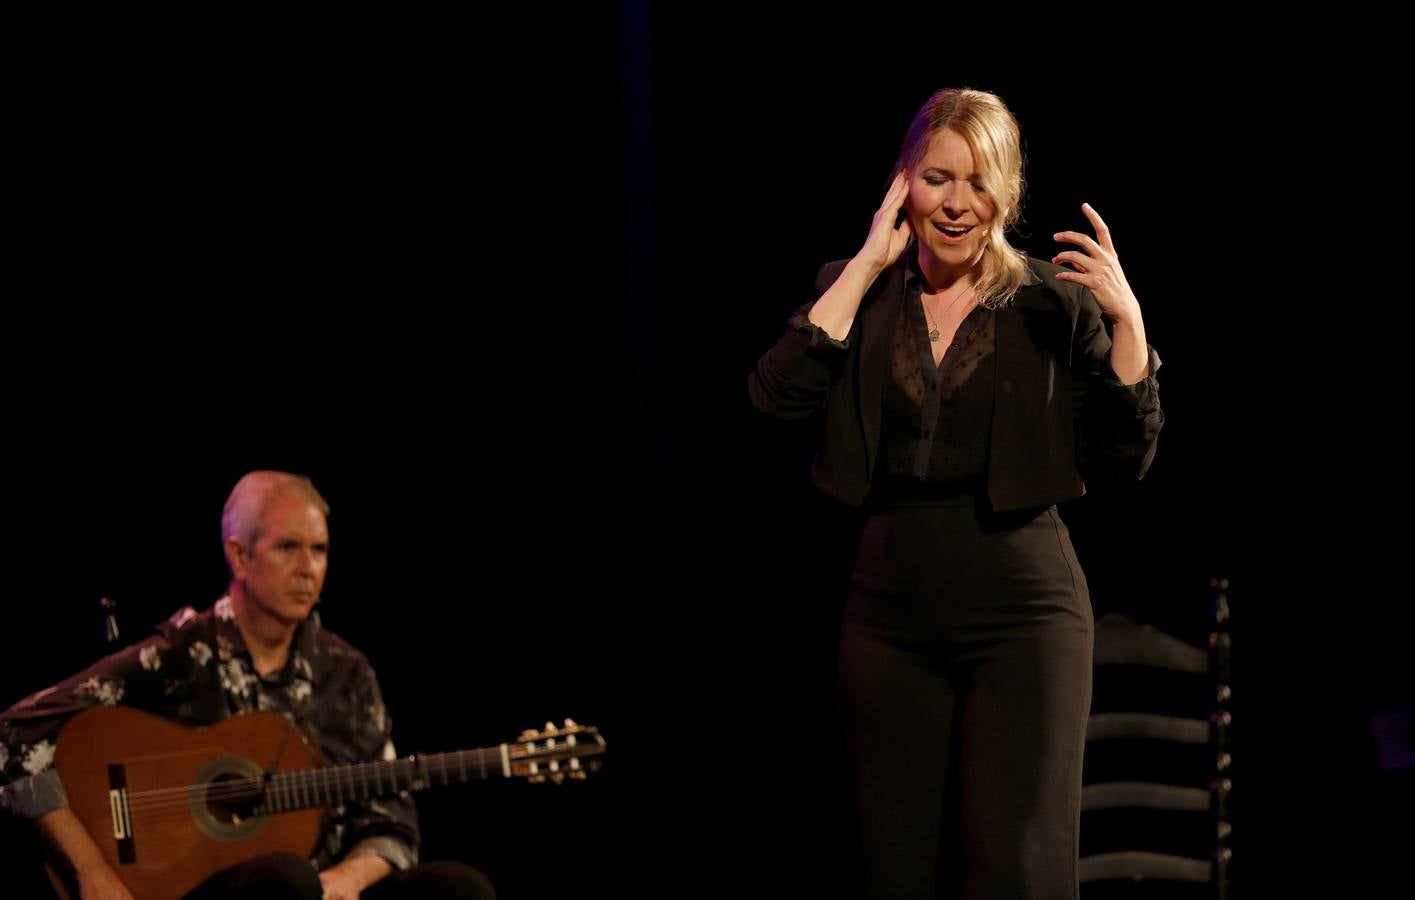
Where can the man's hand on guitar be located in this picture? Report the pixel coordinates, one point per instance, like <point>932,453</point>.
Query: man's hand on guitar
<point>75,851</point>
<point>356,872</point>
<point>100,882</point>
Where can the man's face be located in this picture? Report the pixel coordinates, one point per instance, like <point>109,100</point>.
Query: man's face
<point>283,571</point>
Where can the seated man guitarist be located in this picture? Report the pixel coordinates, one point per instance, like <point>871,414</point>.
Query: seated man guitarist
<point>256,648</point>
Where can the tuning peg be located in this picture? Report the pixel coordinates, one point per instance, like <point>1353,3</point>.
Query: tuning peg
<point>536,779</point>
<point>574,762</point>
<point>549,728</point>
<point>558,777</point>
<point>528,735</point>
<point>578,774</point>
<point>570,723</point>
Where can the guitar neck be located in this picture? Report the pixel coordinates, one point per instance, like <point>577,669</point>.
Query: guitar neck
<point>306,788</point>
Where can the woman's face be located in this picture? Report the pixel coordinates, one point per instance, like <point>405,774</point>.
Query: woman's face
<point>948,208</point>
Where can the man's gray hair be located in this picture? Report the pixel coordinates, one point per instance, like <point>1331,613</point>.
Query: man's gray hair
<point>253,494</point>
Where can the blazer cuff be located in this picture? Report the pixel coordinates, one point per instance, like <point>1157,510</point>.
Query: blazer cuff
<point>821,343</point>
<point>1145,391</point>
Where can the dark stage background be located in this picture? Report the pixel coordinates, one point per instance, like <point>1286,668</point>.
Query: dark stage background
<point>501,306</point>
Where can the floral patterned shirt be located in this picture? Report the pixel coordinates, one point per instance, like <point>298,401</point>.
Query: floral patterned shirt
<point>196,671</point>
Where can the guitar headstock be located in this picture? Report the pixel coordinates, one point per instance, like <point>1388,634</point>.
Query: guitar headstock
<point>555,753</point>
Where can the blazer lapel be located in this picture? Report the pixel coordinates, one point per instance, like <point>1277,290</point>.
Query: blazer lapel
<point>878,319</point>
<point>1031,398</point>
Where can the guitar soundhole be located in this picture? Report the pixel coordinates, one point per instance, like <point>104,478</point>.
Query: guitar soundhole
<point>230,800</point>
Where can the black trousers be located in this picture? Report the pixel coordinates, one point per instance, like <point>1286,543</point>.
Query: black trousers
<point>289,876</point>
<point>966,680</point>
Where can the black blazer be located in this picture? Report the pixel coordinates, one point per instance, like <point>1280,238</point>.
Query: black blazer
<point>1061,415</point>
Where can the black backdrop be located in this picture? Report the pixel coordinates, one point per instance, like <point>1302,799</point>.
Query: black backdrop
<point>496,287</point>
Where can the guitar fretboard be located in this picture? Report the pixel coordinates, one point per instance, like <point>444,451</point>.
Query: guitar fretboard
<point>307,788</point>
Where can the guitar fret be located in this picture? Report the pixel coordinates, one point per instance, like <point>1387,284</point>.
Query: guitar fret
<point>306,788</point>
<point>258,792</point>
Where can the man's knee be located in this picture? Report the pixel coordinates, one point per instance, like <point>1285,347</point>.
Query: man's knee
<point>287,876</point>
<point>279,876</point>
<point>455,881</point>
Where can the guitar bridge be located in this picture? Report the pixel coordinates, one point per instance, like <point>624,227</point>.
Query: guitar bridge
<point>122,813</point>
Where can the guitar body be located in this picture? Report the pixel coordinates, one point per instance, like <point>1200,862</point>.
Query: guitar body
<point>151,795</point>
<point>170,806</point>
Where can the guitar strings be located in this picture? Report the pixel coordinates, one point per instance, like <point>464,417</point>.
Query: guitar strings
<point>292,783</point>
<point>300,784</point>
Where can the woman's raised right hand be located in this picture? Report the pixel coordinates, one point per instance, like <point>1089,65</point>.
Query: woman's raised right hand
<point>886,242</point>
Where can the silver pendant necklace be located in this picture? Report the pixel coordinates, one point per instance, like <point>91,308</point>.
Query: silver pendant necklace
<point>934,333</point>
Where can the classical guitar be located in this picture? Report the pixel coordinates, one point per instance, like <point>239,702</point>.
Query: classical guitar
<point>170,806</point>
